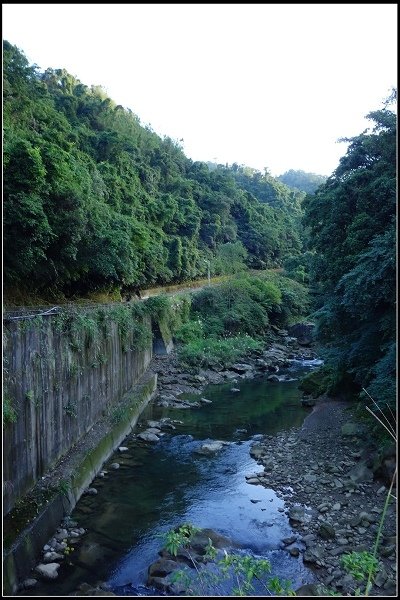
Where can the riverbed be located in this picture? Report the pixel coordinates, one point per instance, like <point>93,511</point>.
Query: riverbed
<point>161,485</point>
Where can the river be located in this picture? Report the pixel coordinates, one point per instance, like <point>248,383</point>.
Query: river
<point>159,486</point>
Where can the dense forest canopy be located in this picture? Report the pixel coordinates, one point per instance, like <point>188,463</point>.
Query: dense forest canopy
<point>300,180</point>
<point>351,223</point>
<point>95,201</point>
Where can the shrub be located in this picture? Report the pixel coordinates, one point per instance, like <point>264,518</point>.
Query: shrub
<point>219,353</point>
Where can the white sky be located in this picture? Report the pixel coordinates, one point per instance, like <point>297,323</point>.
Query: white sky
<point>258,84</point>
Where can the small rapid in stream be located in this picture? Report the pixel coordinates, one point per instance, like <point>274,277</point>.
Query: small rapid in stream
<point>163,485</point>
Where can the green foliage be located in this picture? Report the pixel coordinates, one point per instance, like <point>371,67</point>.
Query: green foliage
<point>95,202</point>
<point>298,267</point>
<point>236,307</point>
<point>9,412</point>
<point>300,180</point>
<point>317,382</point>
<point>239,570</point>
<point>219,353</point>
<point>294,299</point>
<point>351,227</point>
<point>245,569</point>
<point>71,409</point>
<point>189,332</point>
<point>179,538</point>
<point>64,487</point>
<point>360,564</point>
<point>230,259</point>
<point>228,321</point>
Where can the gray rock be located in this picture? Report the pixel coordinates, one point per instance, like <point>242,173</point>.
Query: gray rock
<point>123,449</point>
<point>297,513</point>
<point>162,567</point>
<point>60,546</point>
<point>326,531</point>
<point>304,332</point>
<point>241,368</point>
<point>257,450</point>
<point>48,571</point>
<point>52,557</point>
<point>148,437</point>
<point>91,491</point>
<point>210,447</point>
<point>311,589</point>
<point>205,401</point>
<point>289,540</point>
<point>114,466</point>
<point>360,473</point>
<point>253,480</point>
<point>200,540</point>
<point>28,583</point>
<point>61,535</point>
<point>313,554</point>
<point>294,552</point>
<point>273,378</point>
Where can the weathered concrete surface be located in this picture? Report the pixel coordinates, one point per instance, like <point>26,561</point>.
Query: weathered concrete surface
<point>60,384</point>
<point>83,466</point>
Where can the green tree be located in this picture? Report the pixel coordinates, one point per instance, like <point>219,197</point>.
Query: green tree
<point>351,222</point>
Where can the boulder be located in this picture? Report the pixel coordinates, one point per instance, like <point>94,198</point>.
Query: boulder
<point>360,473</point>
<point>28,583</point>
<point>273,378</point>
<point>61,535</point>
<point>311,589</point>
<point>210,447</point>
<point>326,531</point>
<point>148,437</point>
<point>303,332</point>
<point>241,368</point>
<point>162,567</point>
<point>297,513</point>
<point>48,571</point>
<point>52,557</point>
<point>200,540</point>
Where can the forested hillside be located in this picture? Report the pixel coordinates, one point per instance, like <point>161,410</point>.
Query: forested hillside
<point>93,200</point>
<point>352,232</point>
<point>300,180</point>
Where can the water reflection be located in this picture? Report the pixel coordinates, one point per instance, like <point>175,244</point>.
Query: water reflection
<point>160,486</point>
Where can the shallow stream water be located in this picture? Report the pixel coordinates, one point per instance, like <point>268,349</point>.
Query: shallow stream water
<point>159,486</point>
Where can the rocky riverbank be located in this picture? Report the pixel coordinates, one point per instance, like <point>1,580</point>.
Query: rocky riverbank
<point>283,349</point>
<point>323,472</point>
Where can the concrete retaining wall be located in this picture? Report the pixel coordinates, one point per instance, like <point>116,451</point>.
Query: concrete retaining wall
<point>61,374</point>
<point>24,552</point>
